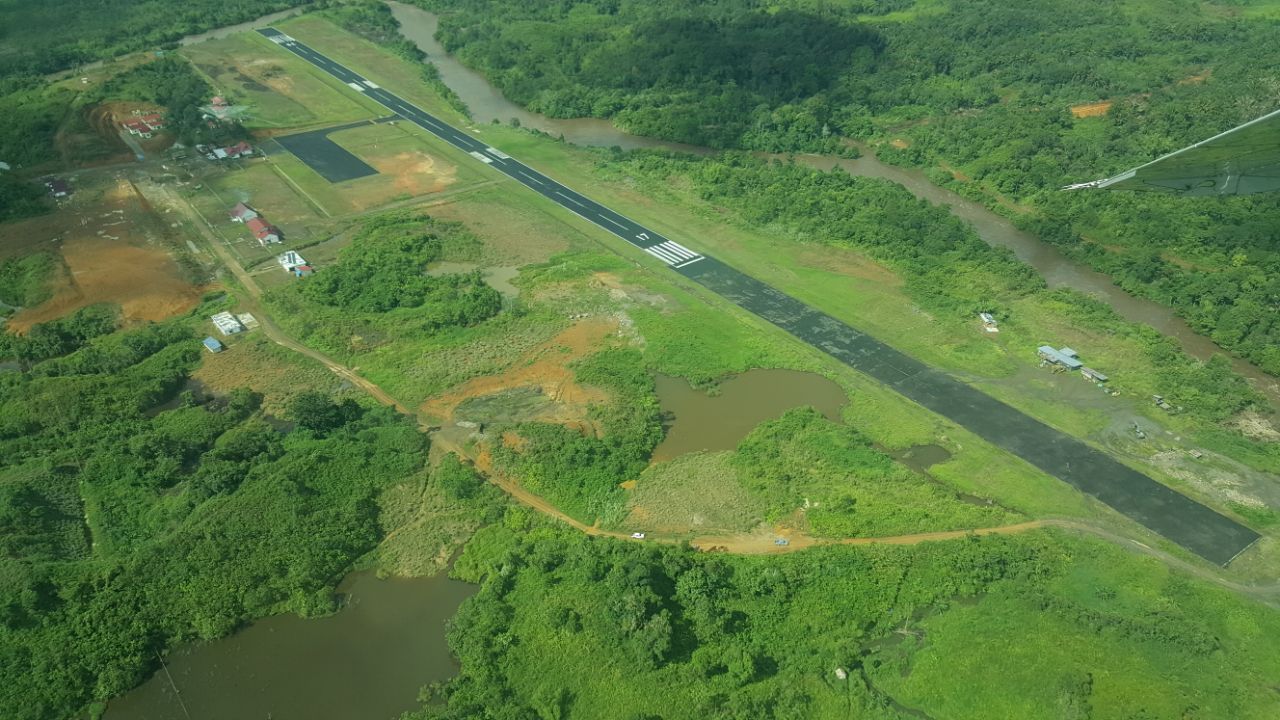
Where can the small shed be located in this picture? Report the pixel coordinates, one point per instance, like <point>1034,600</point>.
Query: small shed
<point>226,323</point>
<point>213,345</point>
<point>1091,374</point>
<point>58,188</point>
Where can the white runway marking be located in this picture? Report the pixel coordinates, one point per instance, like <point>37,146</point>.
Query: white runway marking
<point>570,198</point>
<point>662,255</point>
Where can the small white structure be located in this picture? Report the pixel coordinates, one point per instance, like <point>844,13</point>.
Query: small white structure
<point>227,323</point>
<point>988,322</point>
<point>247,320</point>
<point>5,166</point>
<point>290,260</point>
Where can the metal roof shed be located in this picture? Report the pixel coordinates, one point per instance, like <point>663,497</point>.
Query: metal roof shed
<point>212,345</point>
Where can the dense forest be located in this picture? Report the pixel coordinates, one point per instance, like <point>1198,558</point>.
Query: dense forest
<point>134,515</point>
<point>979,91</point>
<point>42,38</point>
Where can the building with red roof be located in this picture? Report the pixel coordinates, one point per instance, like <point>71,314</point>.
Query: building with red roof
<point>263,231</point>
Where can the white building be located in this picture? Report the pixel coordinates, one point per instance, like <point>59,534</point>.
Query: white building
<point>290,260</point>
<point>226,323</point>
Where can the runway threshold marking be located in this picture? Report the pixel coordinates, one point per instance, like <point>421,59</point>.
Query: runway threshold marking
<point>1177,517</point>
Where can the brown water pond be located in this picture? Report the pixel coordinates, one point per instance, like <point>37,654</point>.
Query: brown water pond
<point>367,661</point>
<point>720,420</point>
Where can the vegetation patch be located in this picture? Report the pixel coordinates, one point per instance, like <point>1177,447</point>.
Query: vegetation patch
<point>838,485</point>
<point>24,281</point>
<point>694,493</point>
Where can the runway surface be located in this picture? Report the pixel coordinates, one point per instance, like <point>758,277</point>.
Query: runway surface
<point>1201,530</point>
<point>332,161</point>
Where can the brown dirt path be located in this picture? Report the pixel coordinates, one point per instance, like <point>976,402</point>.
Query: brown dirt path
<point>762,543</point>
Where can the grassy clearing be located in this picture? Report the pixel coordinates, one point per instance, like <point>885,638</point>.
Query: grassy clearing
<point>253,361</point>
<point>698,493</point>
<point>394,73</point>
<point>1106,629</point>
<point>280,89</point>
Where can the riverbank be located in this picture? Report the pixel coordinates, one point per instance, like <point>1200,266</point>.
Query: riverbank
<point>487,105</point>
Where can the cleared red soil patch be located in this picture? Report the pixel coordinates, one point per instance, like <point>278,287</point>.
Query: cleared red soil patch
<point>110,254</point>
<point>1091,109</point>
<point>545,367</point>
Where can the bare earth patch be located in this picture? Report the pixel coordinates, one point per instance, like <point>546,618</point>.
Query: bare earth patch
<point>545,368</point>
<point>110,256</point>
<point>416,173</point>
<point>1096,109</point>
<point>1256,427</point>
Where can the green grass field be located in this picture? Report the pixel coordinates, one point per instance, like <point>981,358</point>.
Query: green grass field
<point>279,89</point>
<point>393,73</point>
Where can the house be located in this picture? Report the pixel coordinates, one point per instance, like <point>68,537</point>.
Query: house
<point>226,323</point>
<point>135,127</point>
<point>303,271</point>
<point>212,345</point>
<point>263,231</point>
<point>290,260</point>
<point>231,152</point>
<point>58,188</point>
<point>1066,357</point>
<point>243,213</point>
<point>154,120</point>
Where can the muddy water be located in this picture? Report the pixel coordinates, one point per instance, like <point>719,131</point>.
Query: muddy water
<point>487,104</point>
<point>701,421</point>
<point>367,661</point>
<point>499,278</point>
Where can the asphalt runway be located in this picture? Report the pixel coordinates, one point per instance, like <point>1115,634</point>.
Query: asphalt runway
<point>334,162</point>
<point>1197,528</point>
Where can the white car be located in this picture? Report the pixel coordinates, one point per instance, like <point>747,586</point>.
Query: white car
<point>637,536</point>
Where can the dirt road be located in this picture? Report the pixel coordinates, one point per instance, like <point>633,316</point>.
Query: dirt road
<point>757,543</point>
<point>253,304</point>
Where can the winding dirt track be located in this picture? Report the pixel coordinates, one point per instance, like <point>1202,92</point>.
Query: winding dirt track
<point>744,544</point>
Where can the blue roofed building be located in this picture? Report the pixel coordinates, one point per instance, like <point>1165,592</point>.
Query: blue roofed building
<point>212,345</point>
<point>1066,357</point>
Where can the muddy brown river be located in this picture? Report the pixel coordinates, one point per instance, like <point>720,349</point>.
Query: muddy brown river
<point>487,104</point>
<point>367,661</point>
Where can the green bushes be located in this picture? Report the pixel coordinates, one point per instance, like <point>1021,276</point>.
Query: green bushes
<point>580,473</point>
<point>125,530</point>
<point>844,486</point>
<point>385,269</point>
<point>59,337</point>
<point>621,630</point>
<point>24,281</point>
